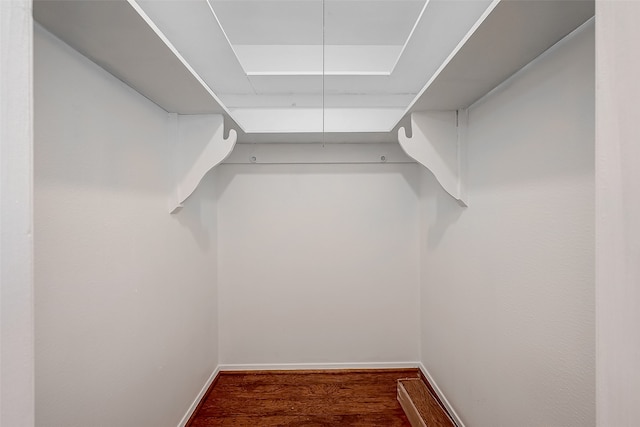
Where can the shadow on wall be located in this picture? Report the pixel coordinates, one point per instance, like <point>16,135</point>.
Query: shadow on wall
<point>443,211</point>
<point>200,210</point>
<point>224,180</point>
<point>201,207</point>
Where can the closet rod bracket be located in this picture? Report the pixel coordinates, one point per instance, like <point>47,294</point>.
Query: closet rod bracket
<point>438,142</point>
<point>198,146</point>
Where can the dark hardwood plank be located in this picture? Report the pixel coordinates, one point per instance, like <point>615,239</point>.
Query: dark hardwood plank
<point>390,420</point>
<point>304,398</point>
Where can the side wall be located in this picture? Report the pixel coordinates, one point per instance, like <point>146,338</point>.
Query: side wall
<point>126,322</point>
<point>618,213</point>
<point>318,264</point>
<point>508,283</point>
<point>16,214</point>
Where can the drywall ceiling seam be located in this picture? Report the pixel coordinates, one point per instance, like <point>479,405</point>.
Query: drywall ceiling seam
<point>184,62</point>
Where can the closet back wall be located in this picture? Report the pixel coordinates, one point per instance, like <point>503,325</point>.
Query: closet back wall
<point>318,264</point>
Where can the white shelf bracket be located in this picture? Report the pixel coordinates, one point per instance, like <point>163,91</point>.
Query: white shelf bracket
<point>199,145</point>
<point>439,144</point>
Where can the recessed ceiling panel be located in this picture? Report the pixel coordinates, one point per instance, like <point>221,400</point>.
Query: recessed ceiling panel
<point>370,22</point>
<point>270,22</point>
<point>317,60</point>
<point>347,22</point>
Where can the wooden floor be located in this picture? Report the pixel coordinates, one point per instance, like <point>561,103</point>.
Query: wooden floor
<point>304,398</point>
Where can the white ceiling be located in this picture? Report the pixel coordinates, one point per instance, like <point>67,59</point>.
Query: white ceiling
<point>259,51</point>
<point>345,22</point>
<point>278,40</point>
<point>263,63</point>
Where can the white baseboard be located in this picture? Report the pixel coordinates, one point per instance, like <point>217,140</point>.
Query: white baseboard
<point>316,366</point>
<point>199,397</point>
<point>441,396</point>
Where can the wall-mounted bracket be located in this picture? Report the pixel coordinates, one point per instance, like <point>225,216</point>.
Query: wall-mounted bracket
<point>439,144</point>
<point>199,146</point>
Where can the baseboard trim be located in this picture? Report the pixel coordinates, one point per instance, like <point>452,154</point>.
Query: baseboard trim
<point>317,366</point>
<point>208,385</point>
<point>447,406</point>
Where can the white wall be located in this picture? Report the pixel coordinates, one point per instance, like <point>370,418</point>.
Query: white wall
<point>16,214</point>
<point>618,213</point>
<point>318,264</point>
<point>126,331</point>
<point>508,283</point>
